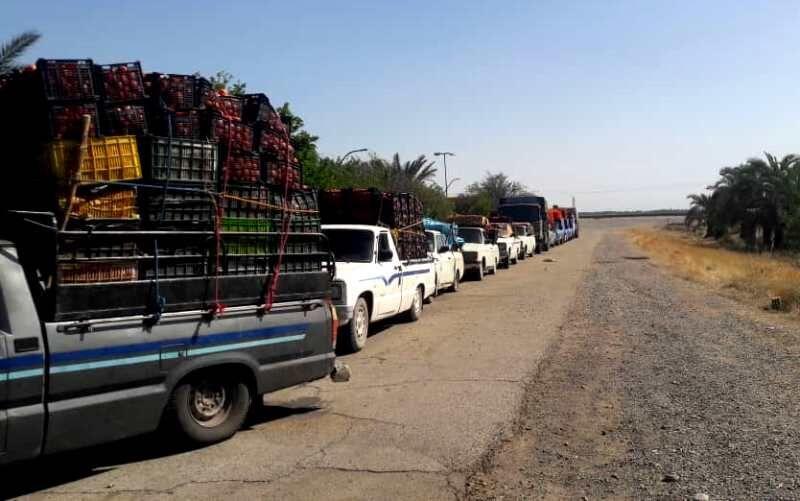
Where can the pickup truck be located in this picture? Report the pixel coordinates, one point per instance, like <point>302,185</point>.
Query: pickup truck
<point>448,261</point>
<point>481,255</point>
<point>71,384</point>
<point>507,243</point>
<point>371,282</point>
<point>524,231</point>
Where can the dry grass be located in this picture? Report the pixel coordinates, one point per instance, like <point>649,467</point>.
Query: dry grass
<point>760,277</point>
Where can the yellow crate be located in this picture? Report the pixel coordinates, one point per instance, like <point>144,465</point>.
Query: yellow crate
<point>105,159</point>
<point>117,205</point>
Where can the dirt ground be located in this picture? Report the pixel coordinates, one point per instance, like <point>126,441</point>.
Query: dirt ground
<point>656,388</point>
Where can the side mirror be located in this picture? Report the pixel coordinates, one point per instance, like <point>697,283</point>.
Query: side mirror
<point>444,248</point>
<point>385,255</point>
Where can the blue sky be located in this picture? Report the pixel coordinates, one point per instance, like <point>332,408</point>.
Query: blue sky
<point>625,104</point>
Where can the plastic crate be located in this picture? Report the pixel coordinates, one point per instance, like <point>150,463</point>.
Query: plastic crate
<point>273,143</point>
<point>248,201</point>
<point>92,247</point>
<point>245,265</point>
<point>249,244</point>
<point>230,107</point>
<point>242,167</point>
<point>241,224</point>
<point>66,120</point>
<point>229,133</point>
<point>181,160</point>
<point>182,124</point>
<point>67,79</point>
<point>177,92</point>
<point>257,108</point>
<point>105,159</point>
<point>97,272</point>
<point>121,82</point>
<point>116,205</point>
<point>124,119</point>
<point>279,173</point>
<point>178,259</point>
<point>182,209</point>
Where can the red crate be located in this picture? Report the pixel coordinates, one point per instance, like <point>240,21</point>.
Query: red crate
<point>66,79</point>
<point>279,173</point>
<point>66,120</point>
<point>177,92</point>
<point>121,82</point>
<point>124,119</point>
<point>230,107</point>
<point>184,124</point>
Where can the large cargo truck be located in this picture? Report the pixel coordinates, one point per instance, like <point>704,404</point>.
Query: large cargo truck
<point>529,209</point>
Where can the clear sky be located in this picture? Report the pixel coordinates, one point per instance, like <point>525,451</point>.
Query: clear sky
<point>625,104</point>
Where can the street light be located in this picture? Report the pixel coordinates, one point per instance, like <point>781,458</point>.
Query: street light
<point>360,150</point>
<point>444,155</point>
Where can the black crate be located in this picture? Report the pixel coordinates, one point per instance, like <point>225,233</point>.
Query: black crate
<point>305,216</point>
<point>190,257</point>
<point>182,124</point>
<point>67,79</point>
<point>257,108</point>
<point>89,246</point>
<point>182,160</point>
<point>179,208</point>
<point>177,92</point>
<point>120,82</point>
<point>231,134</point>
<point>65,120</point>
<point>245,200</point>
<point>124,119</point>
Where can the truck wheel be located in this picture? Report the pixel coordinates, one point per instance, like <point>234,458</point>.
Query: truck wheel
<point>210,408</point>
<point>479,274</point>
<point>456,281</point>
<point>523,254</point>
<point>358,329</point>
<point>494,269</point>
<point>416,305</point>
<point>429,300</point>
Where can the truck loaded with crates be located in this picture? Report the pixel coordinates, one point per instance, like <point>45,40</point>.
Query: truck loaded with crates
<point>161,261</point>
<point>509,245</point>
<point>444,247</point>
<point>382,263</point>
<point>529,209</point>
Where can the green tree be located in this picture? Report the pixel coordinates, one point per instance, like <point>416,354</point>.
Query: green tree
<point>304,144</point>
<point>223,80</point>
<point>11,51</point>
<point>494,187</point>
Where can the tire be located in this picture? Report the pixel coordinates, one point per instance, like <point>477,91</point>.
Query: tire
<point>357,330</point>
<point>210,407</point>
<point>429,300</point>
<point>456,281</point>
<point>523,254</point>
<point>416,305</point>
<point>479,274</point>
<point>494,268</point>
<point>538,249</point>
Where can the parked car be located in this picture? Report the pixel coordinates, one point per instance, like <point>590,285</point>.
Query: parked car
<point>524,231</point>
<point>507,243</point>
<point>72,384</point>
<point>371,282</point>
<point>448,262</point>
<point>481,255</point>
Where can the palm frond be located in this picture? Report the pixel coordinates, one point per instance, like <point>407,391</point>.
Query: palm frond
<point>14,48</point>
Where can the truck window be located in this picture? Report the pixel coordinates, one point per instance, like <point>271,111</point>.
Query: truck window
<point>471,235</point>
<point>430,239</point>
<point>351,246</point>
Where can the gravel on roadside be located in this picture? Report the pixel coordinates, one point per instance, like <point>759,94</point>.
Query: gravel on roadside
<point>656,388</point>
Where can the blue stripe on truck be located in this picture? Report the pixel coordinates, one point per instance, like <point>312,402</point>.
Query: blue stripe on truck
<point>202,345</point>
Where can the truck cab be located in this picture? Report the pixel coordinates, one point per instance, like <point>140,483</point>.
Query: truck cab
<point>71,384</point>
<point>481,254</point>
<point>372,282</point>
<point>448,262</point>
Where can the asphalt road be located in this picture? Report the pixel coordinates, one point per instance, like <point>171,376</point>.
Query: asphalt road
<point>425,403</point>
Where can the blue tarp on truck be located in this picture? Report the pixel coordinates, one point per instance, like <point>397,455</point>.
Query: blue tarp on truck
<point>449,230</point>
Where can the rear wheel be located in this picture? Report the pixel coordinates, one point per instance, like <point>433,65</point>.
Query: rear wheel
<point>523,254</point>
<point>416,305</point>
<point>494,268</point>
<point>480,272</point>
<point>358,329</point>
<point>210,407</point>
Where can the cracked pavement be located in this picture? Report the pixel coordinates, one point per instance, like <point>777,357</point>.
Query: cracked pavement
<point>425,403</point>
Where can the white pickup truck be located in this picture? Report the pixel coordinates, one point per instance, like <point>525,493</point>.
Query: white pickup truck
<point>508,244</point>
<point>481,256</point>
<point>371,282</point>
<point>448,262</point>
<point>524,232</point>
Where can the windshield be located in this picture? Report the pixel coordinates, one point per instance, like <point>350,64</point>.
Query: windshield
<point>471,235</point>
<point>521,230</point>
<point>351,245</point>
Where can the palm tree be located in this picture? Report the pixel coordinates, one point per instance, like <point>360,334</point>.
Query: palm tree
<point>13,49</point>
<point>701,206</point>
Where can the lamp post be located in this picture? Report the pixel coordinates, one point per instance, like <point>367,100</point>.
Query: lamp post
<point>360,150</point>
<point>444,155</point>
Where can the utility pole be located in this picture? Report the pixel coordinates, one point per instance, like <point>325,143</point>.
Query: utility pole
<point>444,155</point>
<point>360,150</point>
